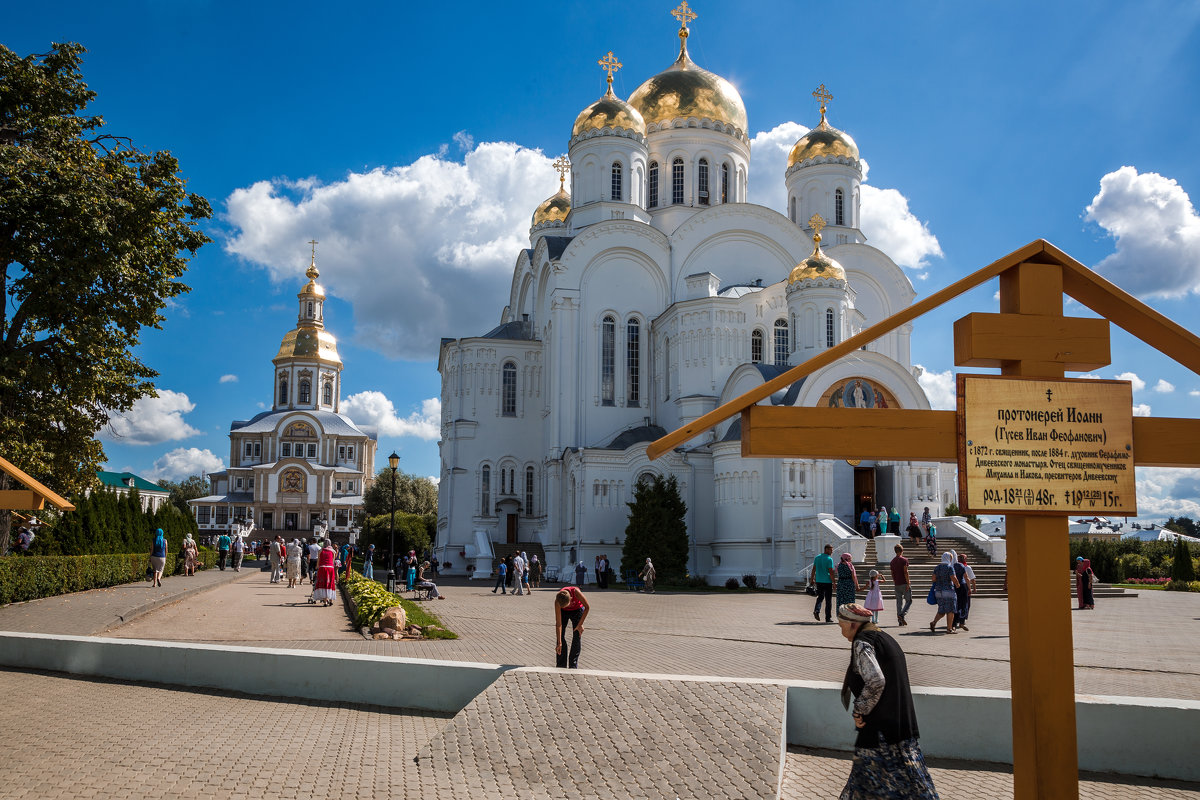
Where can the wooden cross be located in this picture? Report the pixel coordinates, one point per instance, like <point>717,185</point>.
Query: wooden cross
<point>610,65</point>
<point>562,165</point>
<point>684,15</point>
<point>822,96</point>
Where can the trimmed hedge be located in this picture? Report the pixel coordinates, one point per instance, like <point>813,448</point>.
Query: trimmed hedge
<point>32,577</point>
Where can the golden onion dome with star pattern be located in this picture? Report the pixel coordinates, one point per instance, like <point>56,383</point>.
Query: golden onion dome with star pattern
<point>817,265</point>
<point>823,141</point>
<point>609,111</point>
<point>687,90</point>
<point>309,339</point>
<point>553,209</point>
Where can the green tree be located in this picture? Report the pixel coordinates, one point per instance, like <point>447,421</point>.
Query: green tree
<point>414,495</point>
<point>952,511</point>
<point>413,532</point>
<point>1185,525</point>
<point>94,237</point>
<point>657,530</point>
<point>188,489</point>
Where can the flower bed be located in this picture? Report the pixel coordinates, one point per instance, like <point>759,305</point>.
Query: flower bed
<point>1148,581</point>
<point>370,599</point>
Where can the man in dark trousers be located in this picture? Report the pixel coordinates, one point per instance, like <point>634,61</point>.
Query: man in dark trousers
<point>822,577</point>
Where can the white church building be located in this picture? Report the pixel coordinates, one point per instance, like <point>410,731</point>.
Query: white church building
<point>651,293</point>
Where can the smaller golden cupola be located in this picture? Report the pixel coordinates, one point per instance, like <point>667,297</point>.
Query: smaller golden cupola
<point>823,141</point>
<point>309,339</point>
<point>817,266</point>
<point>609,112</point>
<point>556,207</point>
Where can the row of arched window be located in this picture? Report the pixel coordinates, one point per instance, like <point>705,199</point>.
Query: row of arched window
<point>678,195</point>
<point>304,395</point>
<point>506,486</point>
<point>782,340</point>
<point>608,362</point>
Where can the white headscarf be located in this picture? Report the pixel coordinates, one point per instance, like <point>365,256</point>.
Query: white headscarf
<point>948,558</point>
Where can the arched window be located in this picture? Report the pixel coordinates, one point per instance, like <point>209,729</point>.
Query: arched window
<point>529,491</point>
<point>781,341</point>
<point>829,342</point>
<point>839,207</point>
<point>702,181</point>
<point>756,347</point>
<point>633,365</point>
<point>485,489</point>
<point>677,182</point>
<point>616,181</point>
<point>652,186</point>
<point>608,347</point>
<point>792,213</point>
<point>508,390</point>
<point>310,309</point>
<point>283,391</point>
<point>305,391</point>
<point>327,394</point>
<point>724,183</point>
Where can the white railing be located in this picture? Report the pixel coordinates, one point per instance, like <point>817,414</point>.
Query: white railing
<point>995,546</point>
<point>480,556</point>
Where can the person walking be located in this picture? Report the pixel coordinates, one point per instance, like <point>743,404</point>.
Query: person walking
<point>648,575</point>
<point>158,557</point>
<point>914,529</point>
<point>314,554</point>
<point>303,562</point>
<point>847,580</point>
<point>535,572</point>
<point>501,575</point>
<point>874,600</point>
<point>887,754</point>
<point>882,517</point>
<point>325,587</point>
<point>369,563</point>
<point>518,572</point>
<point>962,595</point>
<point>944,584</point>
<point>410,570</point>
<point>864,522</point>
<point>239,551</point>
<point>926,519</point>
<point>525,574</point>
<point>190,555</point>
<point>894,521</point>
<point>822,578</point>
<point>570,605</point>
<point>599,577</point>
<point>222,550</point>
<point>293,563</point>
<point>580,573</point>
<point>423,582</point>
<point>276,555</point>
<point>1084,578</point>
<point>931,539</point>
<point>900,579</point>
<point>602,572</point>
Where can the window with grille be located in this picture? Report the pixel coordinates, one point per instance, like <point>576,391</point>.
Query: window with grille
<point>756,347</point>
<point>222,515</point>
<point>702,181</point>
<point>781,341</point>
<point>312,451</point>
<point>724,183</point>
<point>258,449</point>
<point>608,346</point>
<point>486,489</point>
<point>250,483</point>
<point>616,180</point>
<point>839,206</point>
<point>305,392</point>
<point>829,342</point>
<point>283,391</point>
<point>529,491</point>
<point>285,450</point>
<point>202,515</point>
<point>249,449</point>
<point>342,453</point>
<point>239,483</point>
<point>677,182</point>
<point>508,390</point>
<point>339,486</point>
<point>327,394</point>
<point>652,186</point>
<point>633,363</point>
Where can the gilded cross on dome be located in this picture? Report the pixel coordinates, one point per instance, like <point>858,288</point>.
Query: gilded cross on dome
<point>684,15</point>
<point>822,96</point>
<point>816,222</point>
<point>562,165</point>
<point>610,65</point>
<point>312,273</point>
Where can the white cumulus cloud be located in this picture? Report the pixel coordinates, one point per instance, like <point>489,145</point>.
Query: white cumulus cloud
<point>1157,231</point>
<point>1168,492</point>
<point>1132,377</point>
<point>152,420</point>
<point>423,250</point>
<point>887,221</point>
<point>939,388</point>
<point>1141,409</point>
<point>229,379</point>
<point>184,462</point>
<point>373,409</point>
<point>1194,393</point>
<point>1164,387</point>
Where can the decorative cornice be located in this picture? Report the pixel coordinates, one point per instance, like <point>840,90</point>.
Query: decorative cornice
<point>625,133</point>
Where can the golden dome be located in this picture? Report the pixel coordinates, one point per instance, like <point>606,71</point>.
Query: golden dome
<point>309,342</point>
<point>823,141</point>
<point>686,90</point>
<point>817,265</point>
<point>609,111</point>
<point>312,287</point>
<point>554,208</point>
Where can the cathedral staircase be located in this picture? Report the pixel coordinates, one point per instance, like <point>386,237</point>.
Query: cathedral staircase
<point>502,551</point>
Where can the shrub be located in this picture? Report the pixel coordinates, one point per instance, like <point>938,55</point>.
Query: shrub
<point>1134,565</point>
<point>751,581</point>
<point>1183,586</point>
<point>695,582</point>
<point>731,584</point>
<point>371,599</point>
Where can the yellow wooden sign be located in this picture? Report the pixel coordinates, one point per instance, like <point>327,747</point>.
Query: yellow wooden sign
<point>1045,446</point>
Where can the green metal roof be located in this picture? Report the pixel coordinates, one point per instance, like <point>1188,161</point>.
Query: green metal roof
<point>120,480</point>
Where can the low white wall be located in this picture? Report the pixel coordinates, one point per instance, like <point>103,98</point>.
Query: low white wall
<point>1133,735</point>
<point>885,547</point>
<point>426,685</point>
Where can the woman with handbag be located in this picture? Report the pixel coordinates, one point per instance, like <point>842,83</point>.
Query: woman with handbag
<point>944,584</point>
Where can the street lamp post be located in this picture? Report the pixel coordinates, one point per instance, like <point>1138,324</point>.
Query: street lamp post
<point>393,462</point>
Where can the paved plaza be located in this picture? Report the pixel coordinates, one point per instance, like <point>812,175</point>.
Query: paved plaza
<point>174,742</point>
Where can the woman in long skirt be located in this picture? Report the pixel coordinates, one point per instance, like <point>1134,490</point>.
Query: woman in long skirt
<point>1084,577</point>
<point>293,563</point>
<point>847,580</point>
<point>888,763</point>
<point>325,587</point>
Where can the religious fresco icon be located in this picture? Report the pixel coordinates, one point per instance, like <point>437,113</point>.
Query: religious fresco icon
<point>291,480</point>
<point>858,393</point>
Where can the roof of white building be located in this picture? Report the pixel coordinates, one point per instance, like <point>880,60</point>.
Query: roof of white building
<point>331,423</point>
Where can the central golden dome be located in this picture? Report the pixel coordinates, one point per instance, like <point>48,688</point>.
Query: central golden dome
<point>686,90</point>
<point>309,342</point>
<point>554,208</point>
<point>609,111</point>
<point>823,141</point>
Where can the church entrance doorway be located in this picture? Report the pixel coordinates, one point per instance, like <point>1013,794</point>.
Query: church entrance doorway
<point>864,490</point>
<point>885,486</point>
<point>290,520</point>
<point>511,528</point>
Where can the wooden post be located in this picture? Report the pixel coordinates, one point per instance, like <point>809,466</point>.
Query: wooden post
<point>1041,647</point>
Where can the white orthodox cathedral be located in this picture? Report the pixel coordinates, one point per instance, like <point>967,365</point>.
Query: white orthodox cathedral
<point>652,293</point>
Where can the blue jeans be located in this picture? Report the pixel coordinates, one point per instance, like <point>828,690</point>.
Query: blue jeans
<point>500,584</point>
<point>369,570</point>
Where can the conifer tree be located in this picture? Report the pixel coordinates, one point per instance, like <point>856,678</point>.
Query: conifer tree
<point>657,530</point>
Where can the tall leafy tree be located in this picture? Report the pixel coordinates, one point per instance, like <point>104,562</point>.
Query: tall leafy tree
<point>188,489</point>
<point>94,237</point>
<point>414,495</point>
<point>657,530</point>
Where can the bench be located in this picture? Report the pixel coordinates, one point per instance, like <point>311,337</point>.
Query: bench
<point>633,582</point>
<point>421,592</point>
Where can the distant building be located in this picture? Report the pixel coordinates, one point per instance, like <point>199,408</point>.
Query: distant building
<point>302,464</point>
<point>1094,528</point>
<point>152,495</point>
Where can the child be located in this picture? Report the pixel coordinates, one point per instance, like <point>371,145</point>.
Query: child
<point>874,601</point>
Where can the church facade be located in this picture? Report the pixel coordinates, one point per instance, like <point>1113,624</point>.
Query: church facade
<point>302,465</point>
<point>652,292</point>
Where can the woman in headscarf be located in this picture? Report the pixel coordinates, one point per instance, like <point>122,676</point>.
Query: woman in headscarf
<point>882,516</point>
<point>293,562</point>
<point>847,580</point>
<point>325,586</point>
<point>944,584</point>
<point>158,557</point>
<point>190,554</point>
<point>913,530</point>
<point>580,574</point>
<point>894,521</point>
<point>966,585</point>
<point>648,575</point>
<point>887,756</point>
<point>1084,577</point>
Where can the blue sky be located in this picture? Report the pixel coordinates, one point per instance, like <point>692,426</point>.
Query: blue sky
<point>414,141</point>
